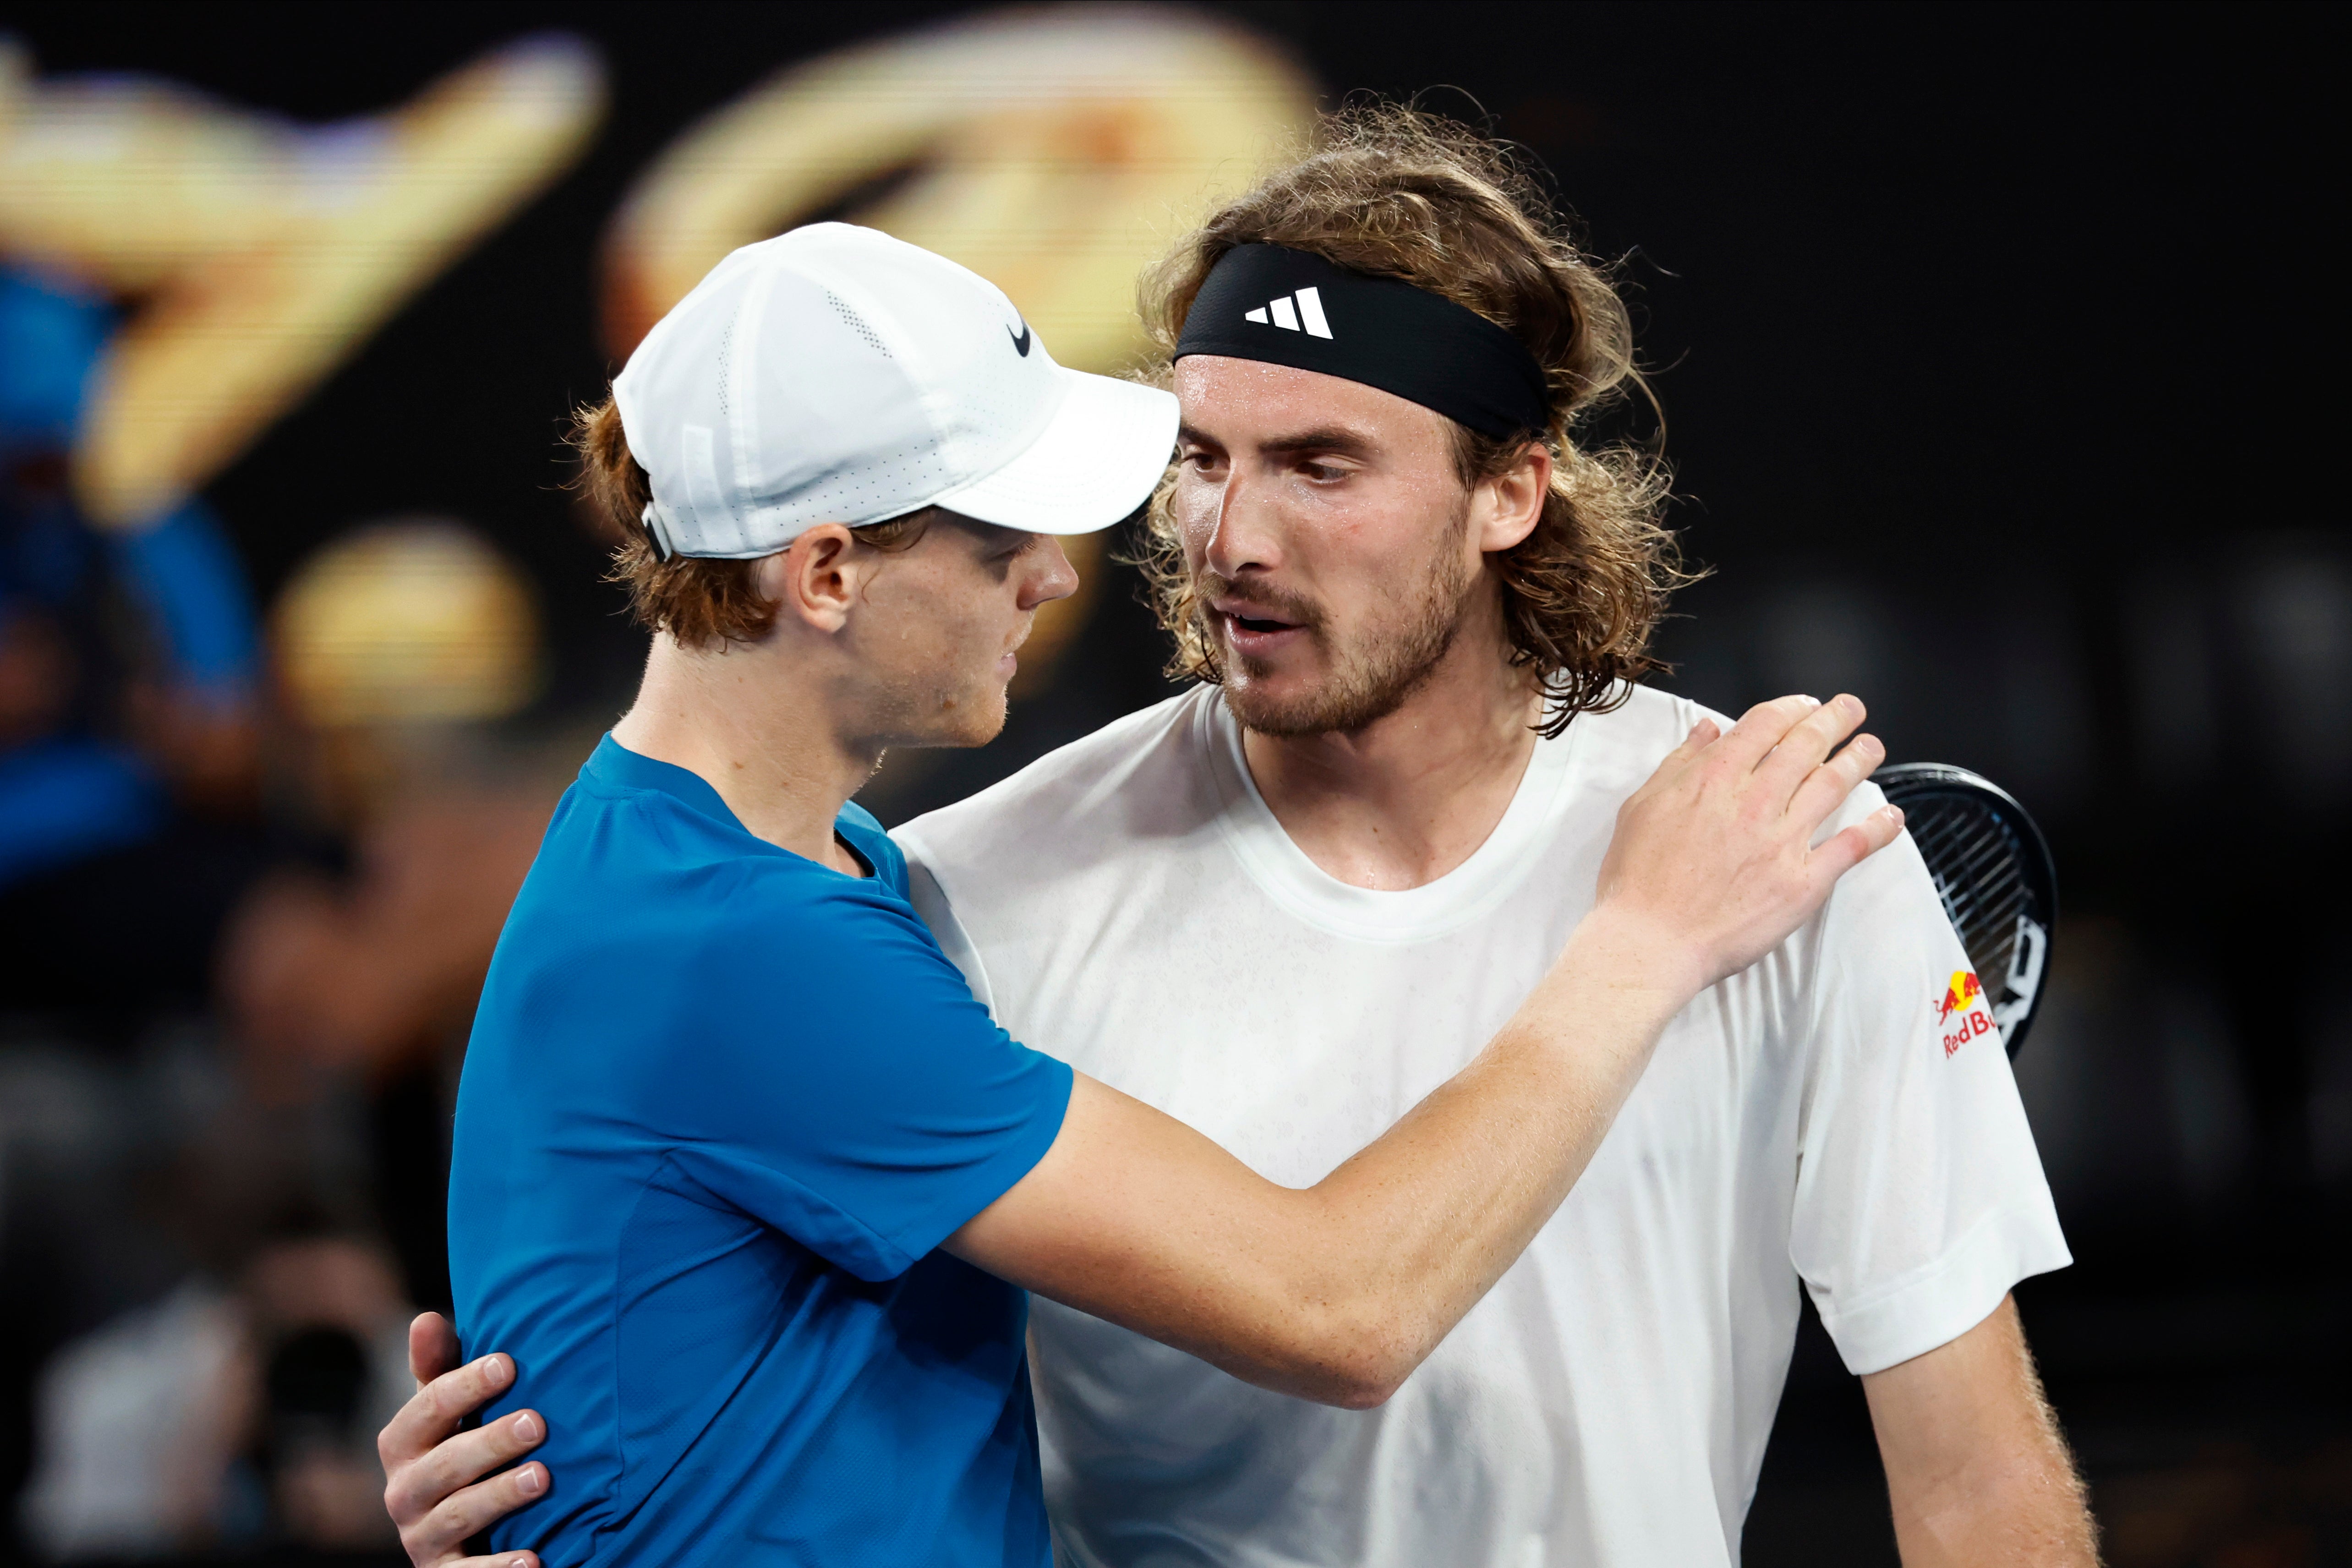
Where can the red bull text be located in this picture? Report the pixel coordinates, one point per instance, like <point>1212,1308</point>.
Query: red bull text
<point>1964,998</point>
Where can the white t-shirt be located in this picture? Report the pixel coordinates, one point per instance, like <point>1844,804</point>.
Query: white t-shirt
<point>1130,904</point>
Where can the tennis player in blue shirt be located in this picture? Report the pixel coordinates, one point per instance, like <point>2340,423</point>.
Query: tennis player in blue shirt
<point>746,1188</point>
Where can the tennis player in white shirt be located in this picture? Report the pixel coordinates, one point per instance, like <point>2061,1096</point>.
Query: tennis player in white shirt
<point>1286,905</point>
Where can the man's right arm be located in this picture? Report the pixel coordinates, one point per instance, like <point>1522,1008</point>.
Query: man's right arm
<point>1336,1292</point>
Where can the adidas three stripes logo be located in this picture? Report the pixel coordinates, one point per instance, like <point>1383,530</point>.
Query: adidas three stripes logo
<point>1307,313</point>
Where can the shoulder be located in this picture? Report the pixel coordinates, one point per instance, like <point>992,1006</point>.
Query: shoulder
<point>663,872</point>
<point>1617,750</point>
<point>1622,747</point>
<point>1146,768</point>
<point>616,835</point>
<point>1648,719</point>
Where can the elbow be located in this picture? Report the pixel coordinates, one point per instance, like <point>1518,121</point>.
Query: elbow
<point>1343,1388</point>
<point>1356,1366</point>
<point>1345,1337</point>
<point>1363,1394</point>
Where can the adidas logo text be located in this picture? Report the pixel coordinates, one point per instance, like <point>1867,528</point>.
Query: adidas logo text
<point>1306,314</point>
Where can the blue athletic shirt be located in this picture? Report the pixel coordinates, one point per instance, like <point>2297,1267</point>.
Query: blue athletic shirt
<point>721,1105</point>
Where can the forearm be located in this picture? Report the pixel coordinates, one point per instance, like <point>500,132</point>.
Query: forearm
<point>1976,1469</point>
<point>2018,1514</point>
<point>1336,1292</point>
<point>1408,1235</point>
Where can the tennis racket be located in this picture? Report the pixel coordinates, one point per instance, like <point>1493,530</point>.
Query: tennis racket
<point>1994,873</point>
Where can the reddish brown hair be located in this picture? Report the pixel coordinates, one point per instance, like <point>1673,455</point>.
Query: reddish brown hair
<point>699,602</point>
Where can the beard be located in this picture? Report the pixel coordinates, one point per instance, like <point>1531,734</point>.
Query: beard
<point>1373,672</point>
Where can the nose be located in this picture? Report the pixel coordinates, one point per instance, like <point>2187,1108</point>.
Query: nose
<point>1240,532</point>
<point>1051,577</point>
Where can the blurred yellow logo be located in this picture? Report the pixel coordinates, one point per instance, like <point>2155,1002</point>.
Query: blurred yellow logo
<point>261,253</point>
<point>1054,151</point>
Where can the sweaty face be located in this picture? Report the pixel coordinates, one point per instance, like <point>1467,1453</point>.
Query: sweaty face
<point>940,624</point>
<point>1327,533</point>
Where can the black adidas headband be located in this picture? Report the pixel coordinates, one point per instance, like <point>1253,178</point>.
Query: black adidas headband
<point>1287,308</point>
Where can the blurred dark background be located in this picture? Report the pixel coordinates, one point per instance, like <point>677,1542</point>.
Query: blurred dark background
<point>1999,348</point>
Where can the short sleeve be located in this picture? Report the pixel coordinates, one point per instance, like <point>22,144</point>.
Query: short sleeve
<point>1920,1198</point>
<point>844,1087</point>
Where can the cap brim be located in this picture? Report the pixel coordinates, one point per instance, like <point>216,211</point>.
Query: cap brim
<point>1095,463</point>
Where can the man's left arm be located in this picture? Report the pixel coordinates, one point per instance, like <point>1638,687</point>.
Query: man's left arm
<point>1975,1467</point>
<point>1920,1203</point>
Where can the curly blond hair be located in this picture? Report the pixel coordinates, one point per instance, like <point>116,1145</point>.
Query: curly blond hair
<point>1396,192</point>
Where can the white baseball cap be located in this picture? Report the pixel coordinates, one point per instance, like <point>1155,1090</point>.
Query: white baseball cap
<point>835,374</point>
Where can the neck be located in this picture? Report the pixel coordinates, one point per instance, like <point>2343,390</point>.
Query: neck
<point>767,743</point>
<point>1408,797</point>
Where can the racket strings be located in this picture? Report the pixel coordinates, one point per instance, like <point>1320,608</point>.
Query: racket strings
<point>1974,858</point>
<point>1992,873</point>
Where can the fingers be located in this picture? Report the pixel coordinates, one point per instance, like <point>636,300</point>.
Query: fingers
<point>1811,740</point>
<point>503,1559</point>
<point>464,1514</point>
<point>1787,743</point>
<point>435,1409</point>
<point>1825,788</point>
<point>1843,850</point>
<point>432,1347</point>
<point>1675,764</point>
<point>418,1487</point>
<point>1702,734</point>
<point>1761,729</point>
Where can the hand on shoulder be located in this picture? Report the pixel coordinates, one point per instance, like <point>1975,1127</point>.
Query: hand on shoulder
<point>1713,863</point>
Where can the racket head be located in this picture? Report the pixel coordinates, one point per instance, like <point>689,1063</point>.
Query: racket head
<point>1993,871</point>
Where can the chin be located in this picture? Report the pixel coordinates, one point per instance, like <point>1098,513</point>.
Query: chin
<point>1270,709</point>
<point>975,721</point>
<point>981,735</point>
<point>1258,688</point>
<point>1296,709</point>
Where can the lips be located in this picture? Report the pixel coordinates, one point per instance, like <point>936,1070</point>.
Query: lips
<point>1252,628</point>
<point>1254,615</point>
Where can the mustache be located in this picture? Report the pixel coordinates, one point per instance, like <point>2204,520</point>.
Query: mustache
<point>1295,608</point>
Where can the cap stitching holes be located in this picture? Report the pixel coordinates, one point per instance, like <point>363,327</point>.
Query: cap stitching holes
<point>857,324</point>
<point>725,361</point>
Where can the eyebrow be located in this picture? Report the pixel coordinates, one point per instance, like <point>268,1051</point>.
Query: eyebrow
<point>1327,438</point>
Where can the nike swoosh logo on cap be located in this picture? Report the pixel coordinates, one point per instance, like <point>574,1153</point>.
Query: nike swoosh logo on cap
<point>1021,343</point>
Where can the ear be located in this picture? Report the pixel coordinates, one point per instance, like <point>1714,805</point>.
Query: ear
<point>1504,509</point>
<point>817,579</point>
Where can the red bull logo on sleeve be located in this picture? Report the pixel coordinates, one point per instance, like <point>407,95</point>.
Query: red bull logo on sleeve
<point>1963,998</point>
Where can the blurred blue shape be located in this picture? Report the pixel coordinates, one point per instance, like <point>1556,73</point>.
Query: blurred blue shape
<point>71,793</point>
<point>64,799</point>
<point>51,334</point>
<point>184,573</point>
